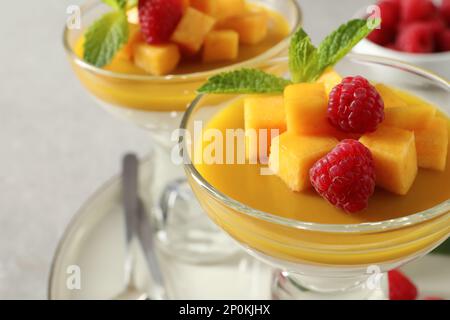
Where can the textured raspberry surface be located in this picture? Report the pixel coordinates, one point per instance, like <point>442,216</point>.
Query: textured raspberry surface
<point>383,36</point>
<point>345,176</point>
<point>414,10</point>
<point>355,106</point>
<point>416,38</point>
<point>401,287</point>
<point>390,13</point>
<point>158,19</point>
<point>445,10</point>
<point>443,41</point>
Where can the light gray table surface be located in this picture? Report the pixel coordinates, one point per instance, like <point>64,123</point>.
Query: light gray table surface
<point>56,145</point>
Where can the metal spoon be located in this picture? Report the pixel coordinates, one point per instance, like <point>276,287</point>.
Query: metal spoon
<point>137,228</point>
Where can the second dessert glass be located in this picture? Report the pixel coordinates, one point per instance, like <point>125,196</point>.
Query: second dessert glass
<point>328,261</point>
<point>157,104</point>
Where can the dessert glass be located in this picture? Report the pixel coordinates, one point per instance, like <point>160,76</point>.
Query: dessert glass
<point>327,261</point>
<point>157,104</point>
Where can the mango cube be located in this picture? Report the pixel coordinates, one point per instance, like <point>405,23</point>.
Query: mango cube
<point>185,4</point>
<point>395,158</point>
<point>221,45</point>
<point>410,117</point>
<point>390,97</point>
<point>292,156</point>
<point>126,52</point>
<point>251,26</point>
<point>432,145</point>
<point>306,109</point>
<point>157,60</point>
<point>330,79</point>
<point>262,113</point>
<point>192,30</point>
<point>220,9</point>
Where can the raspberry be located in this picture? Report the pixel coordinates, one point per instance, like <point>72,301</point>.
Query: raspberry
<point>401,287</point>
<point>390,14</point>
<point>445,11</point>
<point>416,38</point>
<point>443,40</point>
<point>345,176</point>
<point>382,36</point>
<point>414,10</point>
<point>159,18</point>
<point>355,106</point>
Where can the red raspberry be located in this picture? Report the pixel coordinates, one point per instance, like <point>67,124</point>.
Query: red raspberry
<point>345,176</point>
<point>401,287</point>
<point>158,19</point>
<point>390,14</point>
<point>382,36</point>
<point>416,38</point>
<point>355,106</point>
<point>443,40</point>
<point>414,10</point>
<point>445,10</point>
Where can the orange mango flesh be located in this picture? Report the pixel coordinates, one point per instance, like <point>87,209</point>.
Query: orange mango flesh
<point>160,96</point>
<point>245,184</point>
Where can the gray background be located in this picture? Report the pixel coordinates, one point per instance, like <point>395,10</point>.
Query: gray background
<point>56,145</point>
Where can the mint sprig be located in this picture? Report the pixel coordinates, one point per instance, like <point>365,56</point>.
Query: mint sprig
<point>335,46</point>
<point>244,81</point>
<point>107,35</point>
<point>116,4</point>
<point>303,56</point>
<point>306,62</point>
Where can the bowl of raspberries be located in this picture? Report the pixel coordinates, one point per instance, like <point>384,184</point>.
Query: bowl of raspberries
<point>413,31</point>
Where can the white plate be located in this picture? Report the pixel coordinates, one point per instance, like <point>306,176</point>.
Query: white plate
<point>94,243</point>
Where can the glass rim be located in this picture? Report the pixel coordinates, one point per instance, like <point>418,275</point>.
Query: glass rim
<point>90,4</point>
<point>365,227</point>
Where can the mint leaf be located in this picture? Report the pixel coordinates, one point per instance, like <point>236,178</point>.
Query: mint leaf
<point>244,81</point>
<point>132,4</point>
<point>335,46</point>
<point>302,56</point>
<point>116,4</point>
<point>105,37</point>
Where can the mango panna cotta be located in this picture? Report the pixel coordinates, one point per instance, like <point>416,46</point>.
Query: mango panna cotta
<point>186,36</point>
<point>345,139</point>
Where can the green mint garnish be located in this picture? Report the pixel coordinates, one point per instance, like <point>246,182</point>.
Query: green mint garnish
<point>107,35</point>
<point>303,57</point>
<point>116,4</point>
<point>334,47</point>
<point>244,81</point>
<point>306,62</point>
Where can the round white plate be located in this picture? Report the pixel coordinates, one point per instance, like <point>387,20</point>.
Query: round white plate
<point>93,250</point>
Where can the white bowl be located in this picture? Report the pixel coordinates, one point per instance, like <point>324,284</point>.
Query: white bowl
<point>438,63</point>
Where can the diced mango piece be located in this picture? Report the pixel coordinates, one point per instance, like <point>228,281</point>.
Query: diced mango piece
<point>306,109</point>
<point>432,144</point>
<point>192,30</point>
<point>395,158</point>
<point>220,9</point>
<point>156,59</point>
<point>185,4</point>
<point>262,113</point>
<point>221,45</point>
<point>410,117</point>
<point>390,97</point>
<point>292,156</point>
<point>251,26</point>
<point>331,79</point>
<point>126,52</point>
